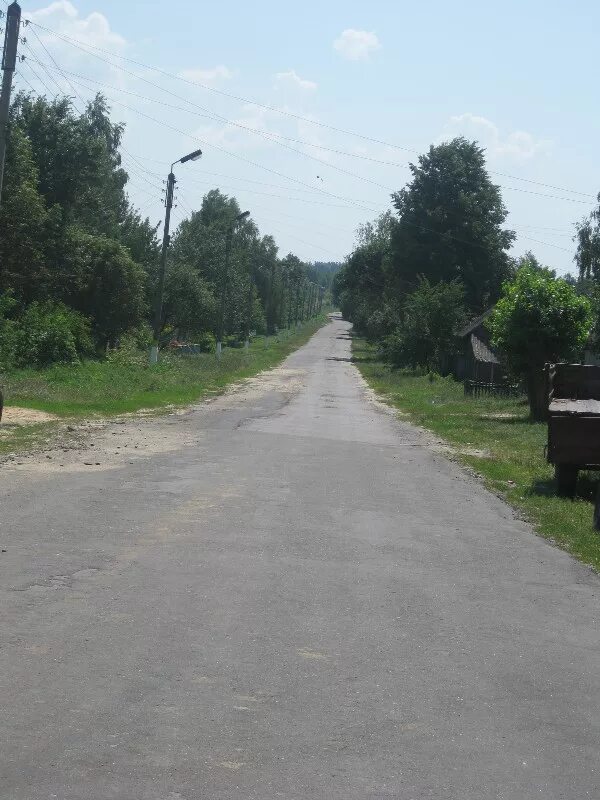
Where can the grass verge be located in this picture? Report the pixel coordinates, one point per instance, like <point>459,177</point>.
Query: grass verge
<point>497,440</point>
<point>108,388</point>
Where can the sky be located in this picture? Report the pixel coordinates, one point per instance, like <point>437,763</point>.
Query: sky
<point>296,106</point>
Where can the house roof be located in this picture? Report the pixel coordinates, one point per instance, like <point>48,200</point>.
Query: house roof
<point>474,324</point>
<point>482,351</point>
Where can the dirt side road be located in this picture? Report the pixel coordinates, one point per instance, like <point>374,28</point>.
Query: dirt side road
<point>286,593</point>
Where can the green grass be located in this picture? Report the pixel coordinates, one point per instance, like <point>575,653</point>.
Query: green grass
<point>103,388</point>
<point>511,449</point>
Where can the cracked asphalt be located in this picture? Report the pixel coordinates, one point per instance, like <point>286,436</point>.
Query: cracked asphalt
<point>297,596</point>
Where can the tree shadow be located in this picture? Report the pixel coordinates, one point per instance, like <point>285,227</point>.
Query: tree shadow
<point>352,359</point>
<point>526,420</point>
<point>587,487</point>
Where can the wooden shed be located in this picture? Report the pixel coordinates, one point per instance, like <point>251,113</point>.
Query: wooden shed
<point>478,360</point>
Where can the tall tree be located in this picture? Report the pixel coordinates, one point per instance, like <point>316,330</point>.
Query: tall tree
<point>587,256</point>
<point>450,225</point>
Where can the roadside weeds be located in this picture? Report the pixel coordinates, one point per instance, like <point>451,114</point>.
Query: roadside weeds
<point>55,408</point>
<point>496,440</point>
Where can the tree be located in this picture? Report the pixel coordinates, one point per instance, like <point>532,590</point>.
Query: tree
<point>539,319</point>
<point>105,284</point>
<point>431,318</point>
<point>450,225</point>
<point>587,256</point>
<point>360,287</point>
<point>189,304</point>
<point>25,225</point>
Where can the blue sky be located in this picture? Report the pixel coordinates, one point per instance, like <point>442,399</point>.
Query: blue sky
<point>518,77</point>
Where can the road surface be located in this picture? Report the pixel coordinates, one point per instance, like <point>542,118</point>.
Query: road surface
<point>295,596</point>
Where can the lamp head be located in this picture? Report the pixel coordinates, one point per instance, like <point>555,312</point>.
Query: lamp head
<point>191,156</point>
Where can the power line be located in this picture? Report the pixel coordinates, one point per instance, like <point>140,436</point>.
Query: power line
<point>275,138</point>
<point>310,201</point>
<point>81,45</point>
<point>230,153</point>
<point>443,235</point>
<point>37,77</point>
<point>52,78</point>
<point>272,138</point>
<point>547,244</point>
<point>51,57</point>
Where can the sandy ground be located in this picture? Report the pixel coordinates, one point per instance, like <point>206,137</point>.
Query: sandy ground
<point>13,415</point>
<point>101,444</point>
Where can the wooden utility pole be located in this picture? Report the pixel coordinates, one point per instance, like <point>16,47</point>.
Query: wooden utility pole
<point>9,62</point>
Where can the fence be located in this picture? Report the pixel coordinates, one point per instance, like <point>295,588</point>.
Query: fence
<point>482,388</point>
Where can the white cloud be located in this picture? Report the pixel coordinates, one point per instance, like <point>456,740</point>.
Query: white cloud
<point>63,17</point>
<point>517,144</point>
<point>293,80</point>
<point>238,138</point>
<point>208,76</point>
<point>357,45</point>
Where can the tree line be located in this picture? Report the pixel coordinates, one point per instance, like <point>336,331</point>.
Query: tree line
<point>417,276</point>
<point>79,263</point>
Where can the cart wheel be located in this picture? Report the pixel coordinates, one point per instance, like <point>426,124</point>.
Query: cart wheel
<point>566,479</point>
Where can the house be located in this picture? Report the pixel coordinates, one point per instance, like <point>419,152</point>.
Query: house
<point>478,360</point>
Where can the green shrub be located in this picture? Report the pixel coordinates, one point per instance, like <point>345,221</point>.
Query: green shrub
<point>8,332</point>
<point>539,318</point>
<point>206,342</point>
<point>51,333</point>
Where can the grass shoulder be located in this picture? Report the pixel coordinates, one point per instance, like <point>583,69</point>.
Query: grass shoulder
<point>497,440</point>
<point>110,388</point>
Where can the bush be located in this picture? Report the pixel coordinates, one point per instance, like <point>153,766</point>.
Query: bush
<point>206,342</point>
<point>50,333</point>
<point>8,332</point>
<point>426,337</point>
<point>539,318</point>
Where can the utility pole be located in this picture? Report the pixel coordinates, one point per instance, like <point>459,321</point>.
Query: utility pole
<point>289,299</point>
<point>311,301</point>
<point>249,310</point>
<point>9,62</point>
<point>163,255</point>
<point>296,315</point>
<point>282,284</point>
<point>163,266</point>
<point>225,282</point>
<point>272,323</point>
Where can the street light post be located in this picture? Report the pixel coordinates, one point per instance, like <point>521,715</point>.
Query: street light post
<point>171,181</point>
<point>228,242</point>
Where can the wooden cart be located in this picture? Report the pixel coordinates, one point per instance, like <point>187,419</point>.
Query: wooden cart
<point>573,422</point>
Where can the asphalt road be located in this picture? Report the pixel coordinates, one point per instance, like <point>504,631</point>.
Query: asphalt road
<point>303,598</point>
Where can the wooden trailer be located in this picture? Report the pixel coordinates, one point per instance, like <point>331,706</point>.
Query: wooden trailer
<point>573,422</point>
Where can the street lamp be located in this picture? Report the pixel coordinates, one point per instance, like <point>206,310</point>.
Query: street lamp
<point>163,256</point>
<point>228,240</point>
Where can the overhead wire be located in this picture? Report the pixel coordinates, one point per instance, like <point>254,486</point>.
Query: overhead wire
<point>284,112</point>
<point>58,67</point>
<point>275,138</point>
<point>318,190</point>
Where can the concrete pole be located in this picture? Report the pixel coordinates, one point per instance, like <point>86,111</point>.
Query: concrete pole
<point>163,268</point>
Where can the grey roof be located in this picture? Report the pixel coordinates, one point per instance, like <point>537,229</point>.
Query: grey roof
<point>482,351</point>
<point>475,323</point>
